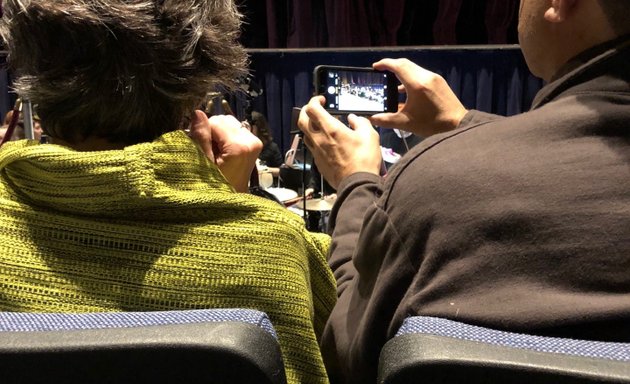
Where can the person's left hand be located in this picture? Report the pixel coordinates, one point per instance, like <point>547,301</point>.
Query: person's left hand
<point>226,142</point>
<point>339,151</point>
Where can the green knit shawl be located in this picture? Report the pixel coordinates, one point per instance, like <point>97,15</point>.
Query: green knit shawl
<point>156,226</point>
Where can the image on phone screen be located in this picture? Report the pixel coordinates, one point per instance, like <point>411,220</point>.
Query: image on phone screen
<point>356,90</point>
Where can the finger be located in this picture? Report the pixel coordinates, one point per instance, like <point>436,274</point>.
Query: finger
<point>201,133</point>
<point>228,131</point>
<point>387,120</point>
<point>319,118</point>
<point>246,125</point>
<point>305,123</point>
<point>223,126</point>
<point>358,123</point>
<point>308,142</point>
<point>363,127</point>
<point>405,70</point>
<point>394,65</point>
<point>386,65</point>
<point>319,99</point>
<point>399,67</point>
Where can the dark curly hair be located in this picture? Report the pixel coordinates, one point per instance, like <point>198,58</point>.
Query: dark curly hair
<point>259,120</point>
<point>123,70</point>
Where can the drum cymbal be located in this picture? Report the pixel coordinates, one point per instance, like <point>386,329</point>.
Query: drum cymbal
<point>320,204</point>
<point>283,194</point>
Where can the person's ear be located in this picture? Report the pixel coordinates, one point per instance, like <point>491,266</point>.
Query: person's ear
<point>560,10</point>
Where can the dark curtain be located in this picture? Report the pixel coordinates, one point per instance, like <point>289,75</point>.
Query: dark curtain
<point>377,23</point>
<point>342,32</point>
<point>417,24</point>
<point>305,28</point>
<point>500,15</point>
<point>491,80</point>
<point>385,21</point>
<point>445,25</point>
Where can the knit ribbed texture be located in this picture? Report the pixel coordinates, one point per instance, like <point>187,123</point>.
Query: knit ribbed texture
<point>156,227</point>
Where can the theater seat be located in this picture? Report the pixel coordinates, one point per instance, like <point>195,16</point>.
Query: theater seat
<point>189,346</point>
<point>434,350</point>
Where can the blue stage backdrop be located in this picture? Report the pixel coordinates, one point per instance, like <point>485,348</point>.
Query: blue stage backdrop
<point>6,99</point>
<point>492,79</point>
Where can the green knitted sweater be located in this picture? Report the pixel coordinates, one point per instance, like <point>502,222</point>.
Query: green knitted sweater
<point>156,226</point>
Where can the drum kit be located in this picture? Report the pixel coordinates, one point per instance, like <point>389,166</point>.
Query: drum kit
<point>324,203</point>
<point>291,198</point>
<point>293,173</point>
<point>317,209</point>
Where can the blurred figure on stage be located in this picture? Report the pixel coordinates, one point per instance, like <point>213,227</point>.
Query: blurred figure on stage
<point>270,156</point>
<point>125,210</point>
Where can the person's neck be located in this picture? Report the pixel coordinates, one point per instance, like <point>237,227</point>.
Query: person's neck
<point>586,29</point>
<point>581,56</point>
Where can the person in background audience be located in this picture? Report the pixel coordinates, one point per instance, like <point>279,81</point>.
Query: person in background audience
<point>518,223</point>
<point>124,211</point>
<point>271,156</point>
<point>3,132</point>
<point>7,118</point>
<point>19,133</point>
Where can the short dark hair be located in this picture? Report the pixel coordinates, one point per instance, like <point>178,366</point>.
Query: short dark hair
<point>618,14</point>
<point>123,70</point>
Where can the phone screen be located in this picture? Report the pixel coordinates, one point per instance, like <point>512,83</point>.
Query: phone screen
<point>356,90</point>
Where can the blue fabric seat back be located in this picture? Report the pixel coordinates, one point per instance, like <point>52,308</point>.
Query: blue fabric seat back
<point>457,330</point>
<point>28,322</point>
<point>442,350</point>
<point>192,346</point>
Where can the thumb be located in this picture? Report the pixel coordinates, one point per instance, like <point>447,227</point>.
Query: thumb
<point>389,120</point>
<point>359,124</point>
<point>201,133</point>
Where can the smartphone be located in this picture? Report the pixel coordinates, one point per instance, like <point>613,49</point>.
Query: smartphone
<point>358,90</point>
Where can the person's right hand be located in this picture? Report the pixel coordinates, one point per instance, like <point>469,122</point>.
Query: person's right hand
<point>230,145</point>
<point>431,105</point>
<point>339,150</point>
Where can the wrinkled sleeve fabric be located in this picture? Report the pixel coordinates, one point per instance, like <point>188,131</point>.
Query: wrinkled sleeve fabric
<point>365,249</point>
<point>373,268</point>
<point>356,194</point>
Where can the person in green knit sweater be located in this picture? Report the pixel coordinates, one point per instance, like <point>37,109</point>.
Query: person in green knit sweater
<point>139,202</point>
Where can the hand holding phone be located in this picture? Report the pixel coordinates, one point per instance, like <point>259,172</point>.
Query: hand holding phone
<point>339,150</point>
<point>358,90</point>
<point>430,105</point>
